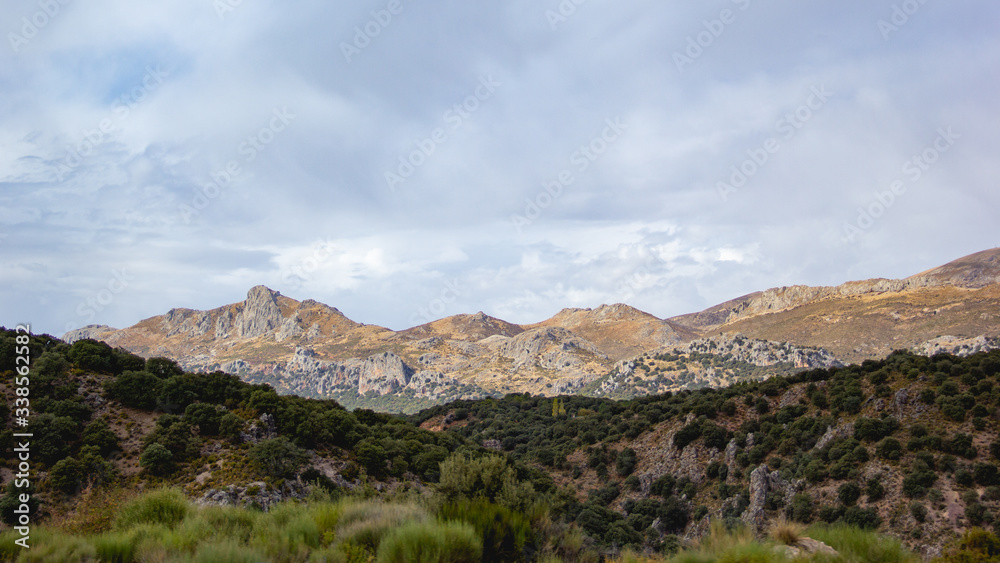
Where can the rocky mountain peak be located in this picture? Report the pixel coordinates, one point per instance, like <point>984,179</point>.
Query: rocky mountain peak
<point>261,313</point>
<point>973,271</point>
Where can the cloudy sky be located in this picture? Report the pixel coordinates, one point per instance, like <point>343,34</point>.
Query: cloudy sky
<point>405,160</point>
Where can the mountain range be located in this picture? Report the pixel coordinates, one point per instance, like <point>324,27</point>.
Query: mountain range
<point>312,349</point>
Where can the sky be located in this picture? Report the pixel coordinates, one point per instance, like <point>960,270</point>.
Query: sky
<point>405,160</point>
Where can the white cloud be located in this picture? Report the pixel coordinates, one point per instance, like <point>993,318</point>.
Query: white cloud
<point>392,254</point>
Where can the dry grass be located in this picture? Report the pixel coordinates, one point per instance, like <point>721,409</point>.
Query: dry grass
<point>786,532</point>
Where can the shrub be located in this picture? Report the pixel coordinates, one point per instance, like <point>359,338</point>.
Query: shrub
<point>66,475</point>
<point>848,493</point>
<point>505,535</point>
<point>976,545</point>
<point>278,457</point>
<point>889,448</point>
<point>874,429</point>
<point>687,434</point>
<point>162,367</point>
<point>206,417</point>
<point>864,518</point>
<point>425,542</point>
<point>801,508</point>
<point>166,507</point>
<point>625,464</point>
<point>874,490</point>
<point>137,389</point>
<point>488,477</point>
<point>98,434</point>
<point>918,511</point>
<point>632,483</point>
<point>985,474</point>
<point>157,459</point>
<point>663,486</point>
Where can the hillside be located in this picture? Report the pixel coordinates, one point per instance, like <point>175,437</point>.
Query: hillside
<point>311,349</point>
<point>906,446</point>
<point>869,319</point>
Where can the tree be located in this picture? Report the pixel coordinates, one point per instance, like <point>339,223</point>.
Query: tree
<point>98,434</point>
<point>278,457</point>
<point>157,459</point>
<point>162,367</point>
<point>489,477</point>
<point>625,464</point>
<point>137,389</point>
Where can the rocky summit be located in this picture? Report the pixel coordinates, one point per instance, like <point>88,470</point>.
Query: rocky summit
<point>312,349</point>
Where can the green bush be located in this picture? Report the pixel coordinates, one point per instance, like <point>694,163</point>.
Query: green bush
<point>505,535</point>
<point>278,457</point>
<point>490,478</point>
<point>801,508</point>
<point>157,459</point>
<point>166,507</point>
<point>98,434</point>
<point>889,448</point>
<point>849,493</point>
<point>626,461</point>
<point>687,434</point>
<point>425,542</point>
<point>137,389</point>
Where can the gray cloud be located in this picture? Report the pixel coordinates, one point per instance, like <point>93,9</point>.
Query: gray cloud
<point>120,120</point>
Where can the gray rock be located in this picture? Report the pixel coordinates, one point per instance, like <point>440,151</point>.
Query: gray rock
<point>260,313</point>
<point>753,516</point>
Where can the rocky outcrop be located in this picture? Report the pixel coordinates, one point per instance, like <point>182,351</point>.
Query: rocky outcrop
<point>549,348</point>
<point>94,332</point>
<point>958,346</point>
<point>763,484</point>
<point>383,374</point>
<point>261,429</point>
<point>258,495</point>
<point>762,352</point>
<point>807,547</point>
<point>260,313</point>
<point>753,516</point>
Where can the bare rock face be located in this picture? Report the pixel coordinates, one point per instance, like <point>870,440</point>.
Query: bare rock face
<point>763,352</point>
<point>383,374</point>
<point>958,346</point>
<point>807,547</point>
<point>256,495</point>
<point>262,429</point>
<point>260,314</point>
<point>753,516</point>
<point>95,332</point>
<point>550,348</point>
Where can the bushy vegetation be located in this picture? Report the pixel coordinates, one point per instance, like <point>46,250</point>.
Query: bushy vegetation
<point>492,475</point>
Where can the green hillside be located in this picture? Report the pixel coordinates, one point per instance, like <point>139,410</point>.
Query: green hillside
<point>905,447</point>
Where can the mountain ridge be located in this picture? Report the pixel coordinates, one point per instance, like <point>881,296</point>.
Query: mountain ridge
<point>298,346</point>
